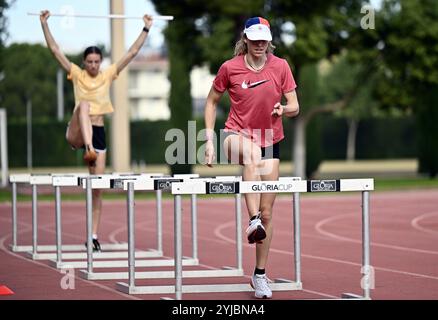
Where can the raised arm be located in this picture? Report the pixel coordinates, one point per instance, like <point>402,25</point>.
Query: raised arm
<point>135,48</point>
<point>210,119</point>
<point>51,43</point>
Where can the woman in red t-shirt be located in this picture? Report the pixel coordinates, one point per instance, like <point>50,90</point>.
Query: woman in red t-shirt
<point>256,81</point>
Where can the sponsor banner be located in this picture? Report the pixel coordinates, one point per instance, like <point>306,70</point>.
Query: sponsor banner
<point>118,182</point>
<point>222,187</point>
<point>272,187</point>
<point>165,184</point>
<point>323,185</point>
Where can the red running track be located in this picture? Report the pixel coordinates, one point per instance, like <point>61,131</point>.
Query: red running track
<point>404,250</point>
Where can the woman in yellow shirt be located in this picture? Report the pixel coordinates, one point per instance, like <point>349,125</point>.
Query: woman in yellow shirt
<point>92,102</point>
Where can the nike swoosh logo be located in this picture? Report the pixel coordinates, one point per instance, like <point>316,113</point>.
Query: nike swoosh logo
<point>248,85</point>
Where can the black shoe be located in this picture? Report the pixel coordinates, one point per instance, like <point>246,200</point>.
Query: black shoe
<point>96,245</point>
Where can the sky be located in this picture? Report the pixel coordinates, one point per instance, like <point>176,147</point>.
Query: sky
<point>73,35</point>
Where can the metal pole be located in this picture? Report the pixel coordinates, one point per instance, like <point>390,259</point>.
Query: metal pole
<point>89,203</point>
<point>120,126</point>
<point>239,249</point>
<point>366,266</point>
<point>178,248</point>
<point>34,219</point>
<point>4,147</point>
<point>194,226</point>
<point>159,194</point>
<point>58,225</point>
<point>29,133</point>
<point>297,236</point>
<point>14,215</point>
<point>131,235</point>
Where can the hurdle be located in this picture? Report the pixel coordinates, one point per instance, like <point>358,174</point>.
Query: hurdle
<point>37,179</point>
<point>44,252</point>
<point>218,185</point>
<point>104,183</point>
<point>343,185</point>
<point>47,179</point>
<point>64,180</point>
<point>157,183</point>
<point>14,180</point>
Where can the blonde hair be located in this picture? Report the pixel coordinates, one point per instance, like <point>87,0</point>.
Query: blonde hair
<point>241,47</point>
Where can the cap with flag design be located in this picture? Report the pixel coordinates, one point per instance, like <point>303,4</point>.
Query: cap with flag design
<point>258,28</point>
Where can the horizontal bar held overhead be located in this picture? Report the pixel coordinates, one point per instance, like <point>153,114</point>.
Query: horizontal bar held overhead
<point>106,16</point>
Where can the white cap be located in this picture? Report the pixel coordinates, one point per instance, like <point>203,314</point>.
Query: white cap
<point>258,28</point>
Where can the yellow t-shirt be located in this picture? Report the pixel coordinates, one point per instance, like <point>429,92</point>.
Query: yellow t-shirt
<point>96,91</point>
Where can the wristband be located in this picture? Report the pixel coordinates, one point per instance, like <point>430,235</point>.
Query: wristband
<point>145,29</point>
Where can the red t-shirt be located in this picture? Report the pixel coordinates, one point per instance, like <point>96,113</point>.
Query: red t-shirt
<point>253,96</point>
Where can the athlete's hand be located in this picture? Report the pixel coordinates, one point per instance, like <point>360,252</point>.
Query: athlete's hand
<point>209,153</point>
<point>44,15</point>
<point>148,20</point>
<point>278,110</point>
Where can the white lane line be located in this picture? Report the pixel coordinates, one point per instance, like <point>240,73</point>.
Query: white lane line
<point>101,286</point>
<point>416,225</point>
<point>218,233</point>
<point>319,228</point>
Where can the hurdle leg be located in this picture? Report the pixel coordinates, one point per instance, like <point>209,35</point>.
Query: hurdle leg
<point>297,236</point>
<point>178,248</point>
<point>58,225</point>
<point>89,203</point>
<point>239,250</point>
<point>366,269</point>
<point>194,226</point>
<point>14,216</point>
<point>366,266</point>
<point>34,220</point>
<point>159,210</point>
<point>131,235</point>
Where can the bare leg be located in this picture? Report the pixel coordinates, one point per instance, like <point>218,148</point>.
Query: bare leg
<point>266,204</point>
<point>74,134</point>
<point>248,154</point>
<point>80,131</point>
<point>99,168</point>
<point>256,169</point>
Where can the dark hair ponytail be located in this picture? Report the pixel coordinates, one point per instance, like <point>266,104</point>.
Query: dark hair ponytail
<point>92,49</point>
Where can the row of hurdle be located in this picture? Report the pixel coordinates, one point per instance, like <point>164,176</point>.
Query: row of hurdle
<point>129,257</point>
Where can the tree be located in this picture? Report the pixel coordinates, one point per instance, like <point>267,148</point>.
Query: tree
<point>3,35</point>
<point>4,5</point>
<point>320,30</point>
<point>340,79</point>
<point>30,73</point>
<point>404,45</point>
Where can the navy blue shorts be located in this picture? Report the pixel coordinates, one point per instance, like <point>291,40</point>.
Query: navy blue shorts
<point>99,139</point>
<point>271,152</point>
